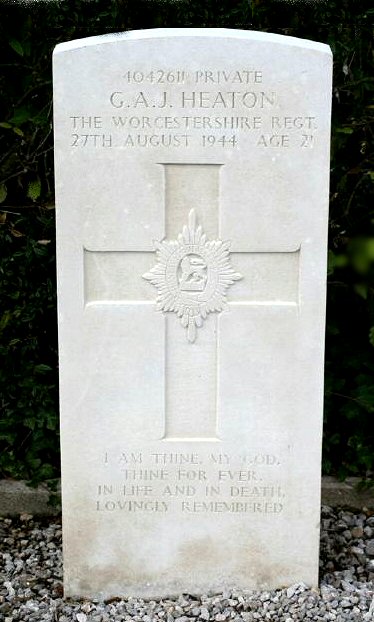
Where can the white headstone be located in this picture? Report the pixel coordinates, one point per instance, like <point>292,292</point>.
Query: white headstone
<point>192,170</point>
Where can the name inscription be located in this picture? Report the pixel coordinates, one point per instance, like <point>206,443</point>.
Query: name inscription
<point>194,99</point>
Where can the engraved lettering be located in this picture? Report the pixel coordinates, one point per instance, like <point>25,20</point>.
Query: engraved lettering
<point>146,474</point>
<point>288,123</point>
<point>255,491</point>
<point>236,475</point>
<point>140,100</point>
<point>217,77</point>
<point>167,458</point>
<point>116,100</point>
<point>132,458</point>
<point>175,491</point>
<point>91,140</point>
<point>219,489</point>
<point>275,140</point>
<point>191,475</point>
<point>229,99</point>
<point>86,122</point>
<point>306,141</point>
<point>211,491</point>
<point>260,459</point>
<point>235,507</point>
<point>132,506</point>
<point>220,458</point>
<point>156,140</point>
<point>137,491</point>
<point>104,490</point>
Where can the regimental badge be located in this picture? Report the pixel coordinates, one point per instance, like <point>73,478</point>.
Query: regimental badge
<point>192,276</point>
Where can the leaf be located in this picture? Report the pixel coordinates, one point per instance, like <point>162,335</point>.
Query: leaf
<point>344,130</point>
<point>371,335</point>
<point>16,46</point>
<point>42,368</point>
<point>33,191</point>
<point>361,290</point>
<point>6,125</point>
<point>361,252</point>
<point>13,342</point>
<point>26,48</point>
<point>3,192</point>
<point>5,319</point>
<point>34,462</point>
<point>52,423</point>
<point>18,131</point>
<point>336,261</point>
<point>22,115</point>
<point>40,118</point>
<point>16,233</point>
<point>29,423</point>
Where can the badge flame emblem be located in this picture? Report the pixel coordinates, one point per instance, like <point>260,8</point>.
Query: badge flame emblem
<point>192,276</point>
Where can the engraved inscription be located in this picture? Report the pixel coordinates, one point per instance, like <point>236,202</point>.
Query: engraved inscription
<point>192,276</point>
<point>192,482</point>
<point>169,113</point>
<point>195,99</point>
<point>205,76</point>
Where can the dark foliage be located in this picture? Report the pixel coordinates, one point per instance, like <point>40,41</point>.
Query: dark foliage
<point>28,348</point>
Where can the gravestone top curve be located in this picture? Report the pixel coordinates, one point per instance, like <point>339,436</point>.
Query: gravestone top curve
<point>157,33</point>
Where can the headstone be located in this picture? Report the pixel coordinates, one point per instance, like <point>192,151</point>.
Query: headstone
<point>192,170</point>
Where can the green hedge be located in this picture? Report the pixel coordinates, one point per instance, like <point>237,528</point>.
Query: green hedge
<point>28,344</point>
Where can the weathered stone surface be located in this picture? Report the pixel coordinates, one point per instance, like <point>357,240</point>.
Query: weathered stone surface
<point>192,167</point>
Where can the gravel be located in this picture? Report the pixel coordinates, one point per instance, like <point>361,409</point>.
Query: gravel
<point>31,582</point>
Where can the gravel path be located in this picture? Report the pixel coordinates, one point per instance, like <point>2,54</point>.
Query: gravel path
<point>31,582</point>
